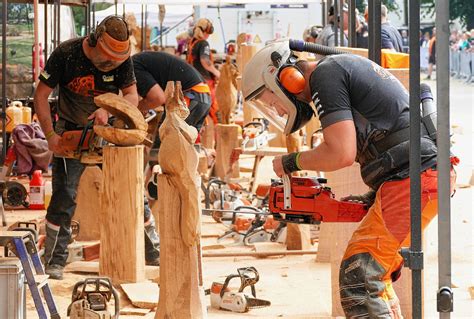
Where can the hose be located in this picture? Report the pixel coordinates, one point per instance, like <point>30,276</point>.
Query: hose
<point>302,46</point>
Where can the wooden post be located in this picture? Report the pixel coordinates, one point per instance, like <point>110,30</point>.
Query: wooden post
<point>179,210</point>
<point>122,255</point>
<point>228,136</point>
<point>88,199</point>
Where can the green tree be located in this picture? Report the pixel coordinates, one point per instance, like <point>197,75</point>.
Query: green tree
<point>458,9</point>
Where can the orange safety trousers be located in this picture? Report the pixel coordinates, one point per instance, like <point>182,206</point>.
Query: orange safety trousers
<point>372,260</point>
<point>213,113</point>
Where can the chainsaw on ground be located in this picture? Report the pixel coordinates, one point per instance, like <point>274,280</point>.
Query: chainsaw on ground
<point>306,200</point>
<point>255,134</point>
<point>237,301</point>
<point>91,298</point>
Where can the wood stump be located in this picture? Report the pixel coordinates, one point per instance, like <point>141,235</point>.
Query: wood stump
<point>226,90</point>
<point>122,251</point>
<point>228,136</point>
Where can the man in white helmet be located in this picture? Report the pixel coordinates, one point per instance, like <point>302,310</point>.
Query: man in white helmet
<point>364,114</point>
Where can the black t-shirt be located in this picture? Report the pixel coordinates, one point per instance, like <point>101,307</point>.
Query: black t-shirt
<point>350,87</point>
<point>79,80</point>
<point>391,38</point>
<point>201,49</point>
<point>159,67</point>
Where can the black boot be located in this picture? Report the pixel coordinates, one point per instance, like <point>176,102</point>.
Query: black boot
<point>152,244</point>
<point>55,250</point>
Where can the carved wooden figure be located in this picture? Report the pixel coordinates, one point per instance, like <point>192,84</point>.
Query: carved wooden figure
<point>179,211</point>
<point>226,90</point>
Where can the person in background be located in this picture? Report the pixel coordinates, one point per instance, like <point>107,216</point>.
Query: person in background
<point>327,35</point>
<point>199,55</point>
<point>391,38</point>
<point>432,54</point>
<point>311,33</point>
<point>426,40</point>
<point>405,41</point>
<point>362,32</point>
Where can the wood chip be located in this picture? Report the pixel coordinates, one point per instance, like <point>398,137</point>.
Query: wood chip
<point>471,291</point>
<point>142,295</point>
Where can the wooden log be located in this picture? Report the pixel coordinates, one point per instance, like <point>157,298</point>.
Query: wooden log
<point>208,133</point>
<point>179,210</point>
<point>228,136</point>
<point>88,202</point>
<point>92,267</point>
<point>122,255</point>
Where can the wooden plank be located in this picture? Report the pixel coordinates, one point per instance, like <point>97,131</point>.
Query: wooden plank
<point>88,202</point>
<point>260,254</point>
<point>134,311</point>
<point>142,295</point>
<point>179,210</point>
<point>227,138</point>
<point>403,75</point>
<point>122,255</point>
<point>92,267</point>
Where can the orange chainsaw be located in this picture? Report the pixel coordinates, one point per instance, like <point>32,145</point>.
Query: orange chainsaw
<point>306,200</point>
<point>84,145</point>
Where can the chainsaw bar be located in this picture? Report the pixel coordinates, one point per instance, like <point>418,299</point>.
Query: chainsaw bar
<point>254,303</point>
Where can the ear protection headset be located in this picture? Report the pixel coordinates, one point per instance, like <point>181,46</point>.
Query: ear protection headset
<point>101,28</point>
<point>289,75</point>
<point>209,27</point>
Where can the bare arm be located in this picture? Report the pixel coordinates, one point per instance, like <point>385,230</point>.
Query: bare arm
<point>338,150</point>
<point>42,108</point>
<point>155,97</point>
<point>130,94</point>
<point>209,66</point>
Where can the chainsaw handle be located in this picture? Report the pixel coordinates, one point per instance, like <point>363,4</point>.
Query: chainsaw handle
<point>287,191</point>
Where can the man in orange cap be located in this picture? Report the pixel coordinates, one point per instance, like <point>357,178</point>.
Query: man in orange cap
<point>82,68</point>
<point>200,56</point>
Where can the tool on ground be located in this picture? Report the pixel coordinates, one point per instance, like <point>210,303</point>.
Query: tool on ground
<point>306,200</point>
<point>255,134</point>
<point>91,298</point>
<point>223,298</point>
<point>22,244</point>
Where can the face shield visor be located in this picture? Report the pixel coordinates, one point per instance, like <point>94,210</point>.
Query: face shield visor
<point>278,106</point>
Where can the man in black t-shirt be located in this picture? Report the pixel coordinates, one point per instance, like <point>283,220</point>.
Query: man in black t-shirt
<point>82,68</point>
<point>153,70</point>
<point>364,113</point>
<point>391,38</point>
<point>200,57</point>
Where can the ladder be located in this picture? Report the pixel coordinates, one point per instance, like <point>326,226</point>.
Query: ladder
<point>22,244</point>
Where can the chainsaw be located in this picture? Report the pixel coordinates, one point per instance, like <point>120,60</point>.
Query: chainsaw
<point>86,145</point>
<point>306,200</point>
<point>255,134</point>
<point>223,298</point>
<point>91,298</point>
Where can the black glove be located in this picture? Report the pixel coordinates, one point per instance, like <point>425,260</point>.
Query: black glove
<point>367,198</point>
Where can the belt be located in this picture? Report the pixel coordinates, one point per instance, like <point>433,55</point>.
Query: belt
<point>200,88</point>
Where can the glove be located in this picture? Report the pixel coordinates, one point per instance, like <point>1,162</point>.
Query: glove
<point>367,198</point>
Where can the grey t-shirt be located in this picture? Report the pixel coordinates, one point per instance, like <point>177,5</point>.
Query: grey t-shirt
<point>391,38</point>
<point>327,36</point>
<point>350,87</point>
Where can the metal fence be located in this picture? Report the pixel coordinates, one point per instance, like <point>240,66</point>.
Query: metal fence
<point>461,65</point>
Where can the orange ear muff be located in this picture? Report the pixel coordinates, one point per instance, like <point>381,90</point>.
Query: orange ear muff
<point>292,80</point>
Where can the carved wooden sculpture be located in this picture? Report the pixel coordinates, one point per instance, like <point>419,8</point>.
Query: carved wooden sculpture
<point>179,211</point>
<point>226,90</point>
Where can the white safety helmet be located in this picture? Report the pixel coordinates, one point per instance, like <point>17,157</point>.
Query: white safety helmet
<point>261,73</point>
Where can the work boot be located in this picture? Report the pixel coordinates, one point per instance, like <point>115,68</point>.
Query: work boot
<point>55,249</point>
<point>152,243</point>
<point>54,271</point>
